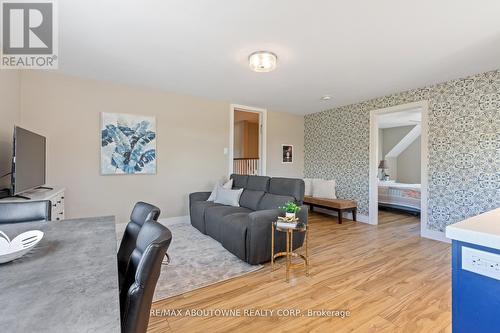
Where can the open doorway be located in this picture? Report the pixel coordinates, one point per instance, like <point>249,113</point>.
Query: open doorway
<point>247,153</point>
<point>398,162</point>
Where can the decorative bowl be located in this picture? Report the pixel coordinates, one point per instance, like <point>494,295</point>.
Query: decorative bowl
<point>19,246</point>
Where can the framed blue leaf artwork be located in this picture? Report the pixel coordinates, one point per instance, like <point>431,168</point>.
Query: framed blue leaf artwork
<point>128,144</point>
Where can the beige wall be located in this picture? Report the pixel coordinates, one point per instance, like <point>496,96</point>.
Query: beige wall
<point>9,112</point>
<point>285,128</point>
<point>192,135</point>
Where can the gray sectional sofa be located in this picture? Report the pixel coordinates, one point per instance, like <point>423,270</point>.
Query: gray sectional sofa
<point>245,231</point>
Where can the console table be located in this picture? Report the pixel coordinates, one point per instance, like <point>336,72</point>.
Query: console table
<point>55,196</point>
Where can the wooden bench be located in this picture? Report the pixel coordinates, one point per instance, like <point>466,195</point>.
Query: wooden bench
<point>338,205</point>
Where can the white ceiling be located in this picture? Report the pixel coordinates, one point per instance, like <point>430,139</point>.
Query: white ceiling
<point>353,50</point>
<point>403,118</point>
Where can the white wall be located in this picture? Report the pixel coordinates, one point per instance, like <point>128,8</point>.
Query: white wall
<point>192,134</point>
<point>9,116</point>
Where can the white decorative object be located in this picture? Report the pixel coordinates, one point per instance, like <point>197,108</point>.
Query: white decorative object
<point>290,215</point>
<point>19,246</point>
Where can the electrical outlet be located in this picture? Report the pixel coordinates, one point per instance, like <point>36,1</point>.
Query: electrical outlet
<point>481,262</point>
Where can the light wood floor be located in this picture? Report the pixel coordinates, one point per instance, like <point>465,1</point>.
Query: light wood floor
<point>389,278</point>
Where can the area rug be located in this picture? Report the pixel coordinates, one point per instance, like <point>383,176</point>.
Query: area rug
<point>196,261</point>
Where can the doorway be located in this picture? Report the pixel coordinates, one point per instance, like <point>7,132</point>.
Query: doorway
<point>398,162</point>
<point>247,140</point>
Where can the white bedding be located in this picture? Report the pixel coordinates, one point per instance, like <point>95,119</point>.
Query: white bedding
<point>399,194</point>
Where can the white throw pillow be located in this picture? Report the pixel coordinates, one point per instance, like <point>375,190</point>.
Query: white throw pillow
<point>228,197</point>
<point>227,185</point>
<point>324,189</point>
<point>308,186</point>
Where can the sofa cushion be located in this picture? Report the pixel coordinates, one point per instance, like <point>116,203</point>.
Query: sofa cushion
<point>273,201</point>
<point>214,216</point>
<point>239,181</point>
<point>258,183</point>
<point>197,212</point>
<point>250,199</point>
<point>289,187</point>
<point>234,234</point>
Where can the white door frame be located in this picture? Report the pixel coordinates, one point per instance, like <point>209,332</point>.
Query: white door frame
<point>262,135</point>
<point>373,192</point>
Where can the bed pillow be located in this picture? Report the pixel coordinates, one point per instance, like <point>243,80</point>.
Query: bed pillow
<point>324,189</point>
<point>228,197</point>
<point>227,185</point>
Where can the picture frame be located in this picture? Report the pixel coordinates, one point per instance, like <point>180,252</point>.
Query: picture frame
<point>128,144</point>
<point>286,154</point>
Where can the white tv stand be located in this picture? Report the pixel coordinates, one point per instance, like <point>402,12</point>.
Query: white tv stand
<point>55,196</point>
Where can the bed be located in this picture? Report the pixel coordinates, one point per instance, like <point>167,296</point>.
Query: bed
<point>405,197</point>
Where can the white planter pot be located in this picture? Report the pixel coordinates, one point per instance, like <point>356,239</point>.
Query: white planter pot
<point>290,215</point>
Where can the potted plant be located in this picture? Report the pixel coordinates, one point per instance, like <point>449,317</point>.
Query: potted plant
<point>290,208</point>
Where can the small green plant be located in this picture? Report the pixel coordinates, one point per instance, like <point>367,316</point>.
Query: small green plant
<point>290,207</point>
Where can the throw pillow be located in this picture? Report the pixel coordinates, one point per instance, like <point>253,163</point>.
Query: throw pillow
<point>228,197</point>
<point>324,189</point>
<point>228,185</point>
<point>308,182</point>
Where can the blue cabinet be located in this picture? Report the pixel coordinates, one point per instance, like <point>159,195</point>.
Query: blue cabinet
<point>475,297</point>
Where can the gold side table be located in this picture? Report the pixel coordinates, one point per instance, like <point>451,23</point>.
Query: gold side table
<point>289,252</point>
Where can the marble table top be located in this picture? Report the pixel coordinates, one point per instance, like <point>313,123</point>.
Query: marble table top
<point>67,283</point>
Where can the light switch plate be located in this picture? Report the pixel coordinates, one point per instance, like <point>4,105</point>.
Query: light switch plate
<point>481,262</point>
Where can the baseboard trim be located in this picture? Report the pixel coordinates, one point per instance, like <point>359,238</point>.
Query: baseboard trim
<point>347,215</point>
<point>434,235</point>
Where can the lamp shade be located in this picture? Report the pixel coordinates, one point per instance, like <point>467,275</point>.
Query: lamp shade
<point>383,164</point>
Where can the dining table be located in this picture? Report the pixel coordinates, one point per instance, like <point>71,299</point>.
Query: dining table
<point>67,283</point>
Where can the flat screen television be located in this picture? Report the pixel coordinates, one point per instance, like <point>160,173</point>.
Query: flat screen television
<point>28,161</point>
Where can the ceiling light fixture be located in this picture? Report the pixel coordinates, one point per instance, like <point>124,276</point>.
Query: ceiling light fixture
<point>326,98</point>
<point>262,61</point>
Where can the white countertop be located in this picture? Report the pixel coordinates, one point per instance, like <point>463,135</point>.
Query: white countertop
<point>483,229</point>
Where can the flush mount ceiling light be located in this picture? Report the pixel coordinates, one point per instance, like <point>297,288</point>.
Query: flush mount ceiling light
<point>326,98</point>
<point>262,61</point>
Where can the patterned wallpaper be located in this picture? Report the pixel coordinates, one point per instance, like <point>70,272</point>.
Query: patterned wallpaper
<point>464,147</point>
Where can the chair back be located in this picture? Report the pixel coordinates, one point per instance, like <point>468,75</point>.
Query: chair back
<point>24,211</point>
<point>142,275</point>
<point>141,213</point>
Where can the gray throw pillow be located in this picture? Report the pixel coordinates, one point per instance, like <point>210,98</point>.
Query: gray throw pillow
<point>228,197</point>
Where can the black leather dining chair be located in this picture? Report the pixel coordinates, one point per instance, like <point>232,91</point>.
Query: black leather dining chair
<point>142,275</point>
<point>29,211</point>
<point>141,213</point>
